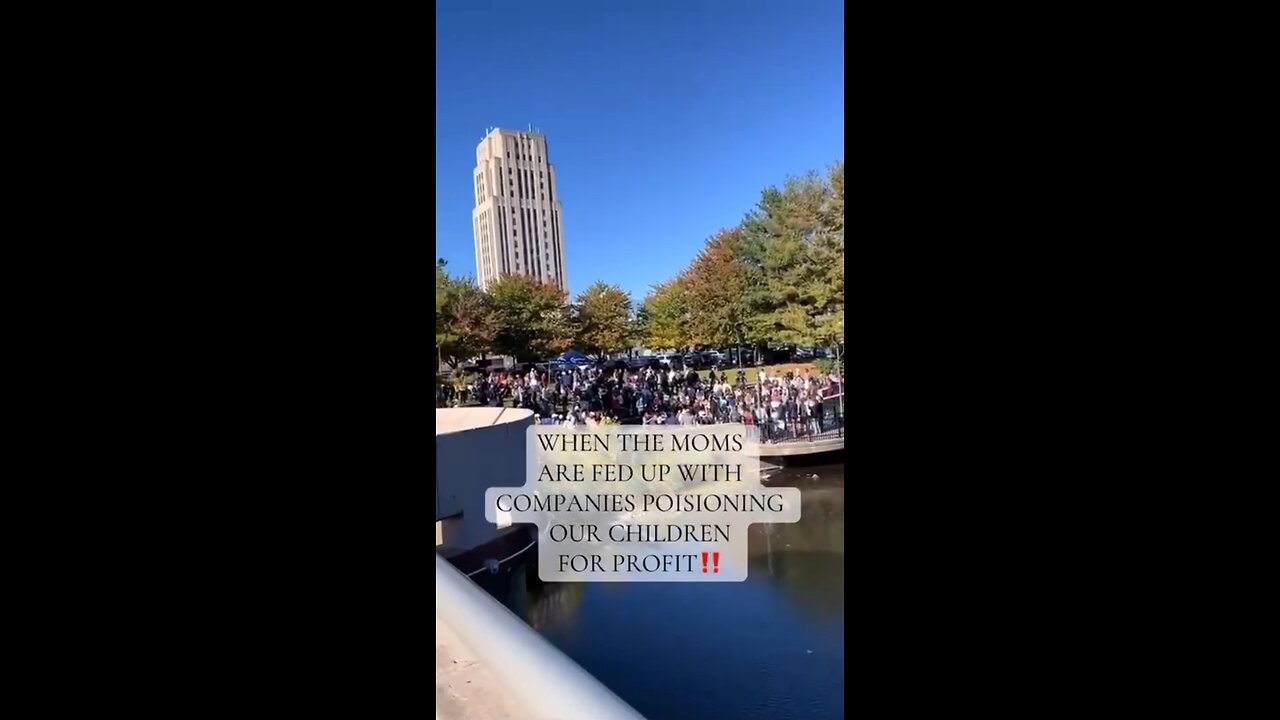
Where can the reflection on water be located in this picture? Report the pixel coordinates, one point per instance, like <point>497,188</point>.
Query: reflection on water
<point>768,648</point>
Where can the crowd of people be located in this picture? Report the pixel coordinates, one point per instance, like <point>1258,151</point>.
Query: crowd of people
<point>783,406</point>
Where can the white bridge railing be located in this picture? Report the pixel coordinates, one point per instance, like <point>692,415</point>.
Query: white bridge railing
<point>546,681</point>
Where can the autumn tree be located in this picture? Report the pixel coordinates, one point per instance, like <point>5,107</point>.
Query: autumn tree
<point>638,327</point>
<point>716,291</point>
<point>602,316</point>
<point>464,322</point>
<point>664,315</point>
<point>531,320</point>
<point>442,279</point>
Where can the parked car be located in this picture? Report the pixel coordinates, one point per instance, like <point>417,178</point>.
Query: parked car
<point>666,359</point>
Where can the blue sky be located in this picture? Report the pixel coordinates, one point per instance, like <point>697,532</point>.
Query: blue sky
<point>664,119</point>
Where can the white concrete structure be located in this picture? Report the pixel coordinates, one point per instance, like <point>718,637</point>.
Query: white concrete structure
<point>519,673</point>
<point>476,448</point>
<point>465,688</point>
<point>517,217</point>
<point>490,665</point>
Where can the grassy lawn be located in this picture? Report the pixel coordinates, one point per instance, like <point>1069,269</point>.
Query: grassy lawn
<point>753,373</point>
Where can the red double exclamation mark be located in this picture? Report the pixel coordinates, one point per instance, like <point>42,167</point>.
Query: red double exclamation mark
<point>715,559</point>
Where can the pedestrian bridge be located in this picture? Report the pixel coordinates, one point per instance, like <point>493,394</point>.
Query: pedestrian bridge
<point>787,445</point>
<point>795,447</point>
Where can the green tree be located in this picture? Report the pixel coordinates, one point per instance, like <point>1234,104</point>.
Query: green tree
<point>834,210</point>
<point>530,318</point>
<point>795,247</point>
<point>602,318</point>
<point>827,253</point>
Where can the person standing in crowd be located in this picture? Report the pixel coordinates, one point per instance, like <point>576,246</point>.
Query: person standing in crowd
<point>781,405</point>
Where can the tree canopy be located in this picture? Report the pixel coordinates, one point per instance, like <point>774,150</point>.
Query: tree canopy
<point>602,316</point>
<point>465,323</point>
<point>665,314</point>
<point>530,318</point>
<point>775,277</point>
<point>716,286</point>
<point>794,246</point>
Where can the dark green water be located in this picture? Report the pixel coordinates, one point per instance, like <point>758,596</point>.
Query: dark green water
<point>769,648</point>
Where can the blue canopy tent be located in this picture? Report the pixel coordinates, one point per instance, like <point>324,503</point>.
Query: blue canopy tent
<point>572,356</point>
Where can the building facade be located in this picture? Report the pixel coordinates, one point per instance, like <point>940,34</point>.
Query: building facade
<point>517,215</point>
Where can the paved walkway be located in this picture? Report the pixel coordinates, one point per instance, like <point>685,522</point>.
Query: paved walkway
<point>465,689</point>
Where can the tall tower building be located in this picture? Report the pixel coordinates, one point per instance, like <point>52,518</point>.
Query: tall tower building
<point>516,219</point>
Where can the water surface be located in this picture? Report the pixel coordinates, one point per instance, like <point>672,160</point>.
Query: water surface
<point>769,648</point>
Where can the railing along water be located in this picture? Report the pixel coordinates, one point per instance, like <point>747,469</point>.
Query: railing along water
<point>537,673</point>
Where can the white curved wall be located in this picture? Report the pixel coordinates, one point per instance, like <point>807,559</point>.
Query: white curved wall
<point>476,449</point>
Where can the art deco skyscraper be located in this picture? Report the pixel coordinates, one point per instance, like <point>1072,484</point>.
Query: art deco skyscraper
<point>516,219</point>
